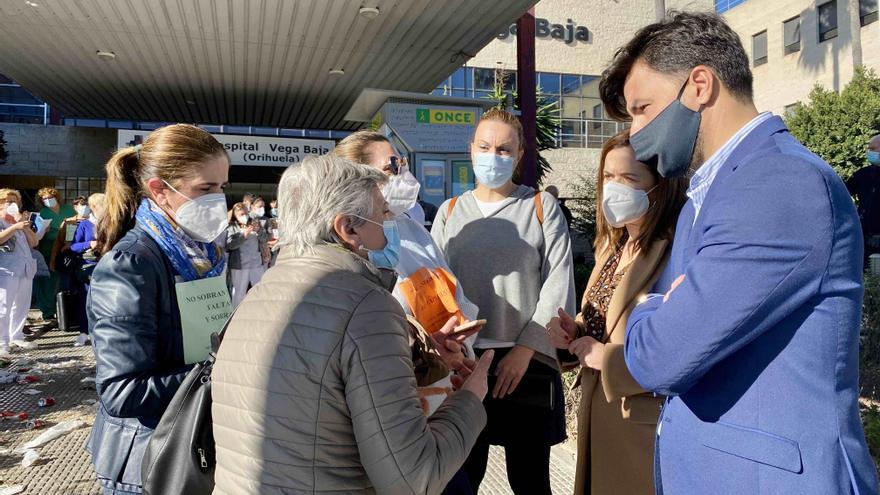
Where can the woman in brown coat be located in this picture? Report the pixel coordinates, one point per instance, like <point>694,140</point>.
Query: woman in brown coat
<point>616,417</point>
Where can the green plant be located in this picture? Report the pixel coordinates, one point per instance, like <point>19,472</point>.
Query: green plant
<point>870,334</point>
<point>871,421</point>
<point>3,153</point>
<point>583,205</point>
<point>546,118</point>
<point>837,127</point>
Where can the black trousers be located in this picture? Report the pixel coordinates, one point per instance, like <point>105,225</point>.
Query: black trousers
<point>528,466</point>
<point>525,431</point>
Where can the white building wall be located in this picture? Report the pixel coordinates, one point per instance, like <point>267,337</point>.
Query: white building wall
<point>788,79</point>
<point>611,24</point>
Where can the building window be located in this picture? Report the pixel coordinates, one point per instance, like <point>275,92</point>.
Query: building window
<point>759,48</point>
<point>791,35</point>
<point>722,6</point>
<point>788,111</point>
<point>867,11</point>
<point>828,21</point>
<point>583,121</point>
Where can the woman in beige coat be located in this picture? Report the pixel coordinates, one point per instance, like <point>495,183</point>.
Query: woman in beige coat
<point>617,418</point>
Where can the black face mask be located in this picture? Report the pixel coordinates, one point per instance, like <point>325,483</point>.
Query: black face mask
<point>667,142</point>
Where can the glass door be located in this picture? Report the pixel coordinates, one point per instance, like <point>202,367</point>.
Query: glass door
<point>443,176</point>
<point>431,172</point>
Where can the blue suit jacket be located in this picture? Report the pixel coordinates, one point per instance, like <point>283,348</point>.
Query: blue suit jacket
<point>758,349</point>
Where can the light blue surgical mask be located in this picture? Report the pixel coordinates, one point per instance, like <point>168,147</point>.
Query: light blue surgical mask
<point>874,157</point>
<point>491,170</point>
<point>389,256</point>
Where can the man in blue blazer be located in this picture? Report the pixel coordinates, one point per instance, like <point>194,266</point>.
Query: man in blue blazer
<point>756,344</point>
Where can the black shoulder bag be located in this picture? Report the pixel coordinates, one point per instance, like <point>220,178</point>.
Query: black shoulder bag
<point>180,457</point>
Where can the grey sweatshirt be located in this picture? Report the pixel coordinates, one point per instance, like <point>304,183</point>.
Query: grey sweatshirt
<point>515,270</point>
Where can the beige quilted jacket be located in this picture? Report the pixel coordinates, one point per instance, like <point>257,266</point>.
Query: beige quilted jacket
<point>313,389</point>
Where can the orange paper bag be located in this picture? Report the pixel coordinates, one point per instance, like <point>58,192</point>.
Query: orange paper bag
<point>430,295</point>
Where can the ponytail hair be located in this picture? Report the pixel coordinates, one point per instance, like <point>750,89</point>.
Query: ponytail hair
<point>505,117</point>
<point>171,153</point>
<point>354,147</point>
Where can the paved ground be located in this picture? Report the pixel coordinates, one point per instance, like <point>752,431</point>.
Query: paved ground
<point>63,467</point>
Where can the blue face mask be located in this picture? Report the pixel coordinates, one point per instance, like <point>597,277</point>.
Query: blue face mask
<point>389,256</point>
<point>874,157</point>
<point>491,170</point>
<point>667,142</point>
<point>274,212</point>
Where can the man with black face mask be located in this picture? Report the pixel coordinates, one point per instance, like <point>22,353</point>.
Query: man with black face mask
<point>756,340</point>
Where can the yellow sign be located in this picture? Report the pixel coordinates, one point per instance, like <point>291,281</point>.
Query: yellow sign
<point>445,116</point>
<point>376,123</point>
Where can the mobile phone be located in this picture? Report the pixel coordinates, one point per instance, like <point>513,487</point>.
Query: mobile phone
<point>467,326</point>
<point>34,221</point>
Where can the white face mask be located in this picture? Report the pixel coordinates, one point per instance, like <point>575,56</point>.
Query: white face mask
<point>203,218</point>
<point>50,203</point>
<point>242,219</point>
<point>12,209</point>
<point>622,204</point>
<point>258,212</point>
<point>83,210</point>
<point>401,192</point>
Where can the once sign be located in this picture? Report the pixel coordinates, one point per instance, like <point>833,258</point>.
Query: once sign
<point>445,116</point>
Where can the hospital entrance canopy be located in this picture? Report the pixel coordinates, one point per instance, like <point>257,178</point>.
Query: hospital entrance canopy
<point>273,63</point>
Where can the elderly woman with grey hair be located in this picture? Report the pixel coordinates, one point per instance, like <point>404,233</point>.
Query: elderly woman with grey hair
<point>313,388</point>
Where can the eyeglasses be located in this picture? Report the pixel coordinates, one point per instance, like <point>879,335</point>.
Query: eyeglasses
<point>395,164</point>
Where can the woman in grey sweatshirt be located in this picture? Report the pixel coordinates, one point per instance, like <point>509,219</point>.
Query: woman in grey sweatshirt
<point>510,248</point>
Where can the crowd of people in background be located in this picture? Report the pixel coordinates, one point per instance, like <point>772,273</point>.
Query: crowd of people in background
<point>716,342</point>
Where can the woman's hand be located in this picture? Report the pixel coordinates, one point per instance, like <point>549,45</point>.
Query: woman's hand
<point>449,343</point>
<point>477,383</point>
<point>561,330</point>
<point>589,352</point>
<point>511,369</point>
<point>93,244</point>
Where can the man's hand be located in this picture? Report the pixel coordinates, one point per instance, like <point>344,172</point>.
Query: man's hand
<point>511,369</point>
<point>589,352</point>
<point>675,285</point>
<point>561,330</point>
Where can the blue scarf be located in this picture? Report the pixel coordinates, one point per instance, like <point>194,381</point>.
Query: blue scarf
<point>191,260</point>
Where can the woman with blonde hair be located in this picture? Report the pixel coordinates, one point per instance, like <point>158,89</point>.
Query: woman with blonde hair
<point>83,244</point>
<point>164,208</point>
<point>617,418</point>
<point>419,264</point>
<point>510,247</point>
<point>17,270</point>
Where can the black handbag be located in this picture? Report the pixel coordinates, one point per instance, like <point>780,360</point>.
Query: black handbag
<point>68,310</point>
<point>69,262</point>
<point>180,457</point>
